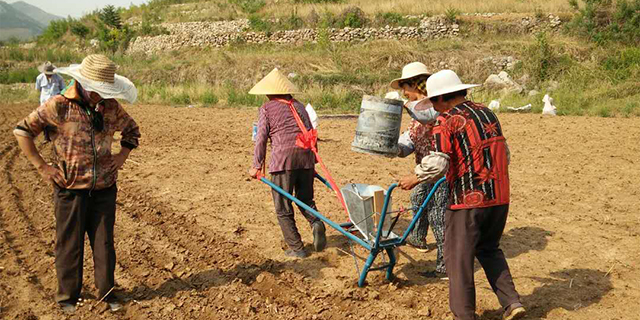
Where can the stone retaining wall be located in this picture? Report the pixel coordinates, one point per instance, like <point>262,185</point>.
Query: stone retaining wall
<point>219,34</point>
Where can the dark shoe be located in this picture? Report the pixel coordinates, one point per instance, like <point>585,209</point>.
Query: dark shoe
<point>301,254</point>
<point>514,311</point>
<point>319,236</point>
<point>68,308</point>
<point>434,275</point>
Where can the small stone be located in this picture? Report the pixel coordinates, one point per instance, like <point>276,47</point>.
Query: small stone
<point>533,93</point>
<point>169,266</point>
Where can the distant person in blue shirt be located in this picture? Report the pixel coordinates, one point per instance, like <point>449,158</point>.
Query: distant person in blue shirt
<point>48,83</point>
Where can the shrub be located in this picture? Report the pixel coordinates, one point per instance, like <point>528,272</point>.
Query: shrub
<point>352,17</point>
<point>209,98</point>
<point>624,64</point>
<point>241,98</point>
<point>79,29</point>
<point>249,6</point>
<point>182,98</point>
<point>452,14</point>
<point>19,76</point>
<point>110,16</point>
<point>54,31</point>
<point>395,19</point>
<point>601,22</point>
<point>542,57</point>
<point>256,23</point>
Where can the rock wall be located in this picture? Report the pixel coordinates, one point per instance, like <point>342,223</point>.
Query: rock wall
<point>219,34</point>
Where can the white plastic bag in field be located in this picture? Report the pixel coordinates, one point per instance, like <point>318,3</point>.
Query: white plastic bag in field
<point>549,108</point>
<point>494,105</point>
<point>313,116</point>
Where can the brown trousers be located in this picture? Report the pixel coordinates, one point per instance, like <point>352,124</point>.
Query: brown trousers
<point>300,184</point>
<point>476,233</point>
<point>77,212</point>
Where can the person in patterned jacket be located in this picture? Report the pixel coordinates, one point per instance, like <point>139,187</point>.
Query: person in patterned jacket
<point>471,150</point>
<point>417,140</point>
<point>81,124</point>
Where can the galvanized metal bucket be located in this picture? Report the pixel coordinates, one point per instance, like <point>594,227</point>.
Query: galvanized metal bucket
<point>378,127</point>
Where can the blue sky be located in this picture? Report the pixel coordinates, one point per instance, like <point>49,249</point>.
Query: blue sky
<point>76,8</point>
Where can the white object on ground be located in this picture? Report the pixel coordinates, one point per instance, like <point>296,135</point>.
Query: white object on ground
<point>549,108</point>
<point>494,105</point>
<point>523,108</point>
<point>313,116</point>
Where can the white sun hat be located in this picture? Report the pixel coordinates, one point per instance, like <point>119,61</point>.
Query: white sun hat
<point>97,73</point>
<point>445,81</point>
<point>409,71</point>
<point>274,83</point>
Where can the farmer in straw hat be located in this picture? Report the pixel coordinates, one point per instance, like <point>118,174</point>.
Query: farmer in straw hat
<point>48,83</point>
<point>82,122</point>
<point>291,166</point>
<point>471,150</point>
<point>417,139</point>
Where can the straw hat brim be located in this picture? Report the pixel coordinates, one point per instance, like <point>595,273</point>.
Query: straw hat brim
<point>395,83</point>
<point>121,88</point>
<point>41,69</point>
<point>451,89</point>
<point>274,83</point>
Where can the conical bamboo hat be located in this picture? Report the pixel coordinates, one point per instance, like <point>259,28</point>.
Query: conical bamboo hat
<point>274,83</point>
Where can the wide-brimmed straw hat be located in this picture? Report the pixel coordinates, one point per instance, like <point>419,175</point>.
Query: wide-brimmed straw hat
<point>445,81</point>
<point>409,71</point>
<point>46,68</point>
<point>273,84</point>
<point>97,73</point>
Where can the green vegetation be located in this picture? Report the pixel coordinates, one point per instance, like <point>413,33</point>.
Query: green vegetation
<point>604,21</point>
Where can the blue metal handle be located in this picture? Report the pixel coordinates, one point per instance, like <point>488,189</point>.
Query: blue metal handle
<point>323,180</point>
<point>315,213</point>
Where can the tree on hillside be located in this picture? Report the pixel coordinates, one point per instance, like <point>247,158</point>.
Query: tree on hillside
<point>110,16</point>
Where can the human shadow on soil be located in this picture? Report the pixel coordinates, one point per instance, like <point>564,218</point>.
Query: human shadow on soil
<point>247,273</point>
<point>569,289</point>
<point>515,242</point>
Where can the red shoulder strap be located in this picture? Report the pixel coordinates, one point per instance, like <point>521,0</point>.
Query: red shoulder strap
<point>308,139</point>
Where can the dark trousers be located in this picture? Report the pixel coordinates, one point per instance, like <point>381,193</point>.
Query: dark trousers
<point>77,212</point>
<point>476,233</point>
<point>300,184</point>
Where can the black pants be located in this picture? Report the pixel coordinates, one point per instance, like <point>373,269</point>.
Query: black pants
<point>476,233</point>
<point>77,212</point>
<point>300,184</point>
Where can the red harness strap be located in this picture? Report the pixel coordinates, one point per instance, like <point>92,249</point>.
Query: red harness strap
<point>308,139</point>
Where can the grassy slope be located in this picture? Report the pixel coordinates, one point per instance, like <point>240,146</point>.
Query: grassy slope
<point>591,79</point>
<point>197,10</point>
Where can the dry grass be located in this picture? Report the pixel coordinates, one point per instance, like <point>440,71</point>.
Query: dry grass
<point>224,10</point>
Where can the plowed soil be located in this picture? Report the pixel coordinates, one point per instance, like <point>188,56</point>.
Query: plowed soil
<point>197,239</point>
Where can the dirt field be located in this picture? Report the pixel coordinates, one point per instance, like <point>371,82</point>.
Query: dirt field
<point>196,238</point>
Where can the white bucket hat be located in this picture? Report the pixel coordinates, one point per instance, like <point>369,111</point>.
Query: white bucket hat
<point>409,71</point>
<point>445,81</point>
<point>274,83</point>
<point>97,73</point>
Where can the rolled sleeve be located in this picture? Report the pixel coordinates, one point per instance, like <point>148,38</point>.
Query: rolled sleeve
<point>31,126</point>
<point>433,166</point>
<point>405,145</point>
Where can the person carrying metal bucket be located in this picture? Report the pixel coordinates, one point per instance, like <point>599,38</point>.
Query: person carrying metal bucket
<point>291,165</point>
<point>417,140</point>
<point>471,150</point>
